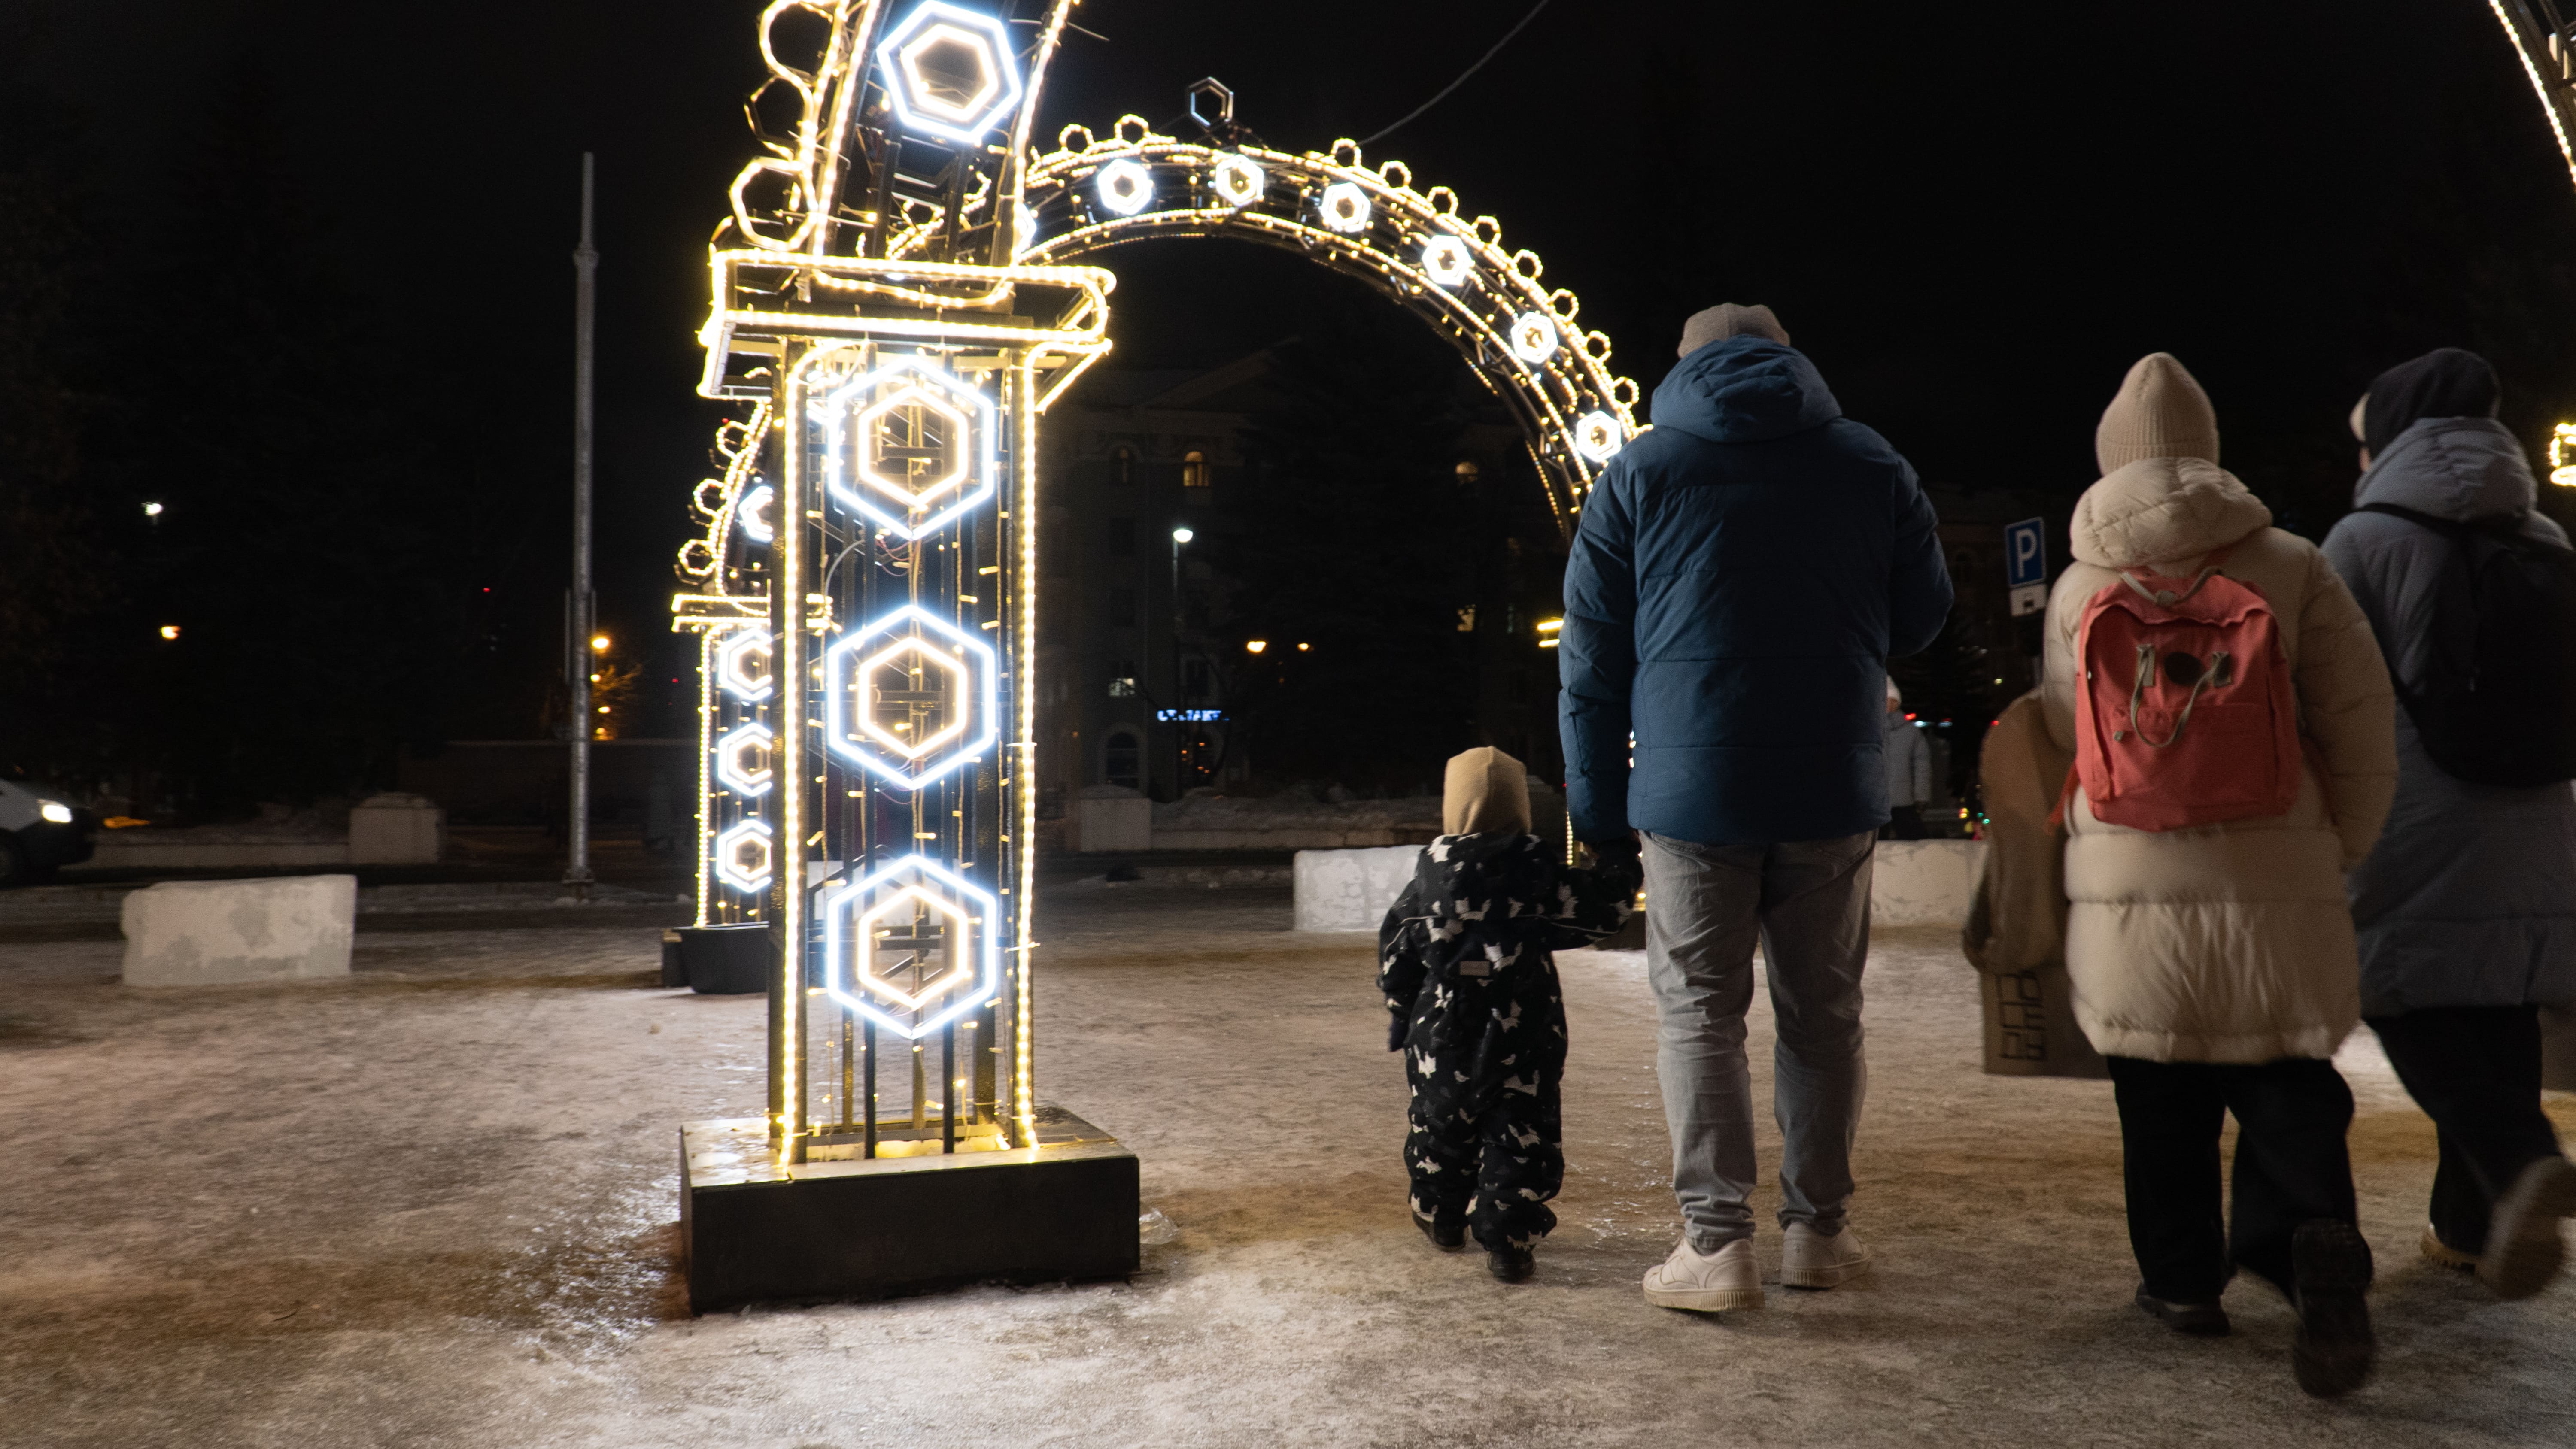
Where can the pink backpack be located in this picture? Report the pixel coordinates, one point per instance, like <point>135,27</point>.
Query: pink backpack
<point>2185,713</point>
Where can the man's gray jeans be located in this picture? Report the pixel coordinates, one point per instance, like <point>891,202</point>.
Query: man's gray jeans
<point>1809,902</point>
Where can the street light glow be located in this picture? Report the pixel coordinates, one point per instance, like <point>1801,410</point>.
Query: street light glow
<point>169,631</point>
<point>1255,646</point>
<point>599,643</point>
<point>1182,535</point>
<point>152,510</point>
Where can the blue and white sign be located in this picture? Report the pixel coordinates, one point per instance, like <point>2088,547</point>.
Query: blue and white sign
<point>2026,553</point>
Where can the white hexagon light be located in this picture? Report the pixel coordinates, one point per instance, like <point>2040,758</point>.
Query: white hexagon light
<point>1124,187</point>
<point>751,514</point>
<point>735,755</point>
<point>1598,436</point>
<point>885,915</point>
<point>743,857</point>
<point>1534,337</point>
<point>966,695</point>
<point>1344,207</point>
<point>1238,180</point>
<point>742,665</point>
<point>957,471</point>
<point>1447,261</point>
<point>949,72</point>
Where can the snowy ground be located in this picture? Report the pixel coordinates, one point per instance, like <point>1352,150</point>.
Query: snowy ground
<point>434,1206</point>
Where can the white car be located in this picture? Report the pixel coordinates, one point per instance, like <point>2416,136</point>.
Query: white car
<point>40,832</point>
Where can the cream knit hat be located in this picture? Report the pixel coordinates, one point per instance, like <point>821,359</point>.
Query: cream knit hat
<point>2160,413</point>
<point>1728,319</point>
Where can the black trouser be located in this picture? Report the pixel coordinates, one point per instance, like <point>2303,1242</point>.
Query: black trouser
<point>2291,1167</point>
<point>2475,1070</point>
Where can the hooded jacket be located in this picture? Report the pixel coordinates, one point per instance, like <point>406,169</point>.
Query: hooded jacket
<point>1740,575</point>
<point>2228,942</point>
<point>2470,897</point>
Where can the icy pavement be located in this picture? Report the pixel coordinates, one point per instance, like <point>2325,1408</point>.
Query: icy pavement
<point>434,1206</point>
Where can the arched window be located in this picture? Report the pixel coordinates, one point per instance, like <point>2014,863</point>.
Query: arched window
<point>1122,759</point>
<point>1195,472</point>
<point>1122,464</point>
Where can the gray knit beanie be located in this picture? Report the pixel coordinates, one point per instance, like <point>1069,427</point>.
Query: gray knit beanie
<point>2160,412</point>
<point>1727,319</point>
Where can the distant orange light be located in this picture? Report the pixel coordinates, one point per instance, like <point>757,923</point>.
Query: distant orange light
<point>1302,648</point>
<point>169,631</point>
<point>1255,646</point>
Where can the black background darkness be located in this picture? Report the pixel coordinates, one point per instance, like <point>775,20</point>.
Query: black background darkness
<point>1973,217</point>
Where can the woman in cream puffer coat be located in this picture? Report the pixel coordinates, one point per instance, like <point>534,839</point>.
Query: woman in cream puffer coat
<point>2214,966</point>
<point>2232,942</point>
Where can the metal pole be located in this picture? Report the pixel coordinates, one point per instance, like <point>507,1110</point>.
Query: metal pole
<point>585,261</point>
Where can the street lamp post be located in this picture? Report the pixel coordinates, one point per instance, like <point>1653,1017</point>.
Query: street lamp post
<point>1180,689</point>
<point>585,261</point>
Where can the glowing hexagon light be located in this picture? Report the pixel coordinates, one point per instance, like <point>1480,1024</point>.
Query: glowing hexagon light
<point>1238,180</point>
<point>1598,436</point>
<point>1446,260</point>
<point>743,858</point>
<point>1344,207</point>
<point>949,72</point>
<point>1124,187</point>
<point>964,690</point>
<point>742,665</point>
<point>883,915</point>
<point>733,756</point>
<point>956,472</point>
<point>1534,337</point>
<point>751,515</point>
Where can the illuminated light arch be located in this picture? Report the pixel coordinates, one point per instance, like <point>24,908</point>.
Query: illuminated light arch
<point>1364,221</point>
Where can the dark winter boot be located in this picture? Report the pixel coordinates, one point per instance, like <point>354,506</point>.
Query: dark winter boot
<point>2334,1348</point>
<point>1511,1265</point>
<point>1447,1237</point>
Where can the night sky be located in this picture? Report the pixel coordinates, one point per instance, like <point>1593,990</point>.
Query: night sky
<point>1973,217</point>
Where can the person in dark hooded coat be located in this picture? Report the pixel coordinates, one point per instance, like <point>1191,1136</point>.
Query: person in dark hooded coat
<point>1465,964</point>
<point>2466,910</point>
<point>1739,578</point>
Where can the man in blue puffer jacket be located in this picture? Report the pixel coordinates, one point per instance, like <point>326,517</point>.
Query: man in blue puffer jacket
<point>1740,577</point>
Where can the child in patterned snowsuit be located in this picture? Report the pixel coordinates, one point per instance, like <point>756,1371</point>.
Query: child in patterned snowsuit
<point>1465,964</point>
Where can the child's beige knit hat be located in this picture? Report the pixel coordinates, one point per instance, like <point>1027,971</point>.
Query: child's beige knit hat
<point>1484,790</point>
<point>2160,412</point>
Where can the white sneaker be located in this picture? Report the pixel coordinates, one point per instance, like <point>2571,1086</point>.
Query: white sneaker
<point>1809,1259</point>
<point>1706,1282</point>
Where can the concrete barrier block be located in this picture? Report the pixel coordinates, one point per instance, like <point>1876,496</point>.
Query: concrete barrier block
<point>1924,882</point>
<point>1111,817</point>
<point>396,830</point>
<point>216,932</point>
<point>1349,890</point>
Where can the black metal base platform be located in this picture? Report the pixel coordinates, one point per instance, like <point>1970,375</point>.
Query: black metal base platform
<point>754,1232</point>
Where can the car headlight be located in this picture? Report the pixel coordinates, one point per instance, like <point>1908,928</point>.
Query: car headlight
<point>55,812</point>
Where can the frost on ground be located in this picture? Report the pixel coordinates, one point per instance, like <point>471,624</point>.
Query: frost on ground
<point>433,1205</point>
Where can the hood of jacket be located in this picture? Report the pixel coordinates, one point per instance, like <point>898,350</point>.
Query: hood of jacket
<point>2159,509</point>
<point>2452,468</point>
<point>1473,877</point>
<point>1745,389</point>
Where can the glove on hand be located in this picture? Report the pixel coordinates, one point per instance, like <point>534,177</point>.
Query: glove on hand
<point>1397,1029</point>
<point>1617,851</point>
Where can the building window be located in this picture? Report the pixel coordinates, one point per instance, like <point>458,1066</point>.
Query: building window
<point>1122,464</point>
<point>1195,472</point>
<point>1122,759</point>
<point>1122,538</point>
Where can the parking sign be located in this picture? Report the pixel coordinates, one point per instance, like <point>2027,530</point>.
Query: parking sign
<point>2026,553</point>
<point>2026,565</point>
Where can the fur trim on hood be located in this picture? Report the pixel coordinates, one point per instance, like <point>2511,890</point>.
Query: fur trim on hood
<point>2159,510</point>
